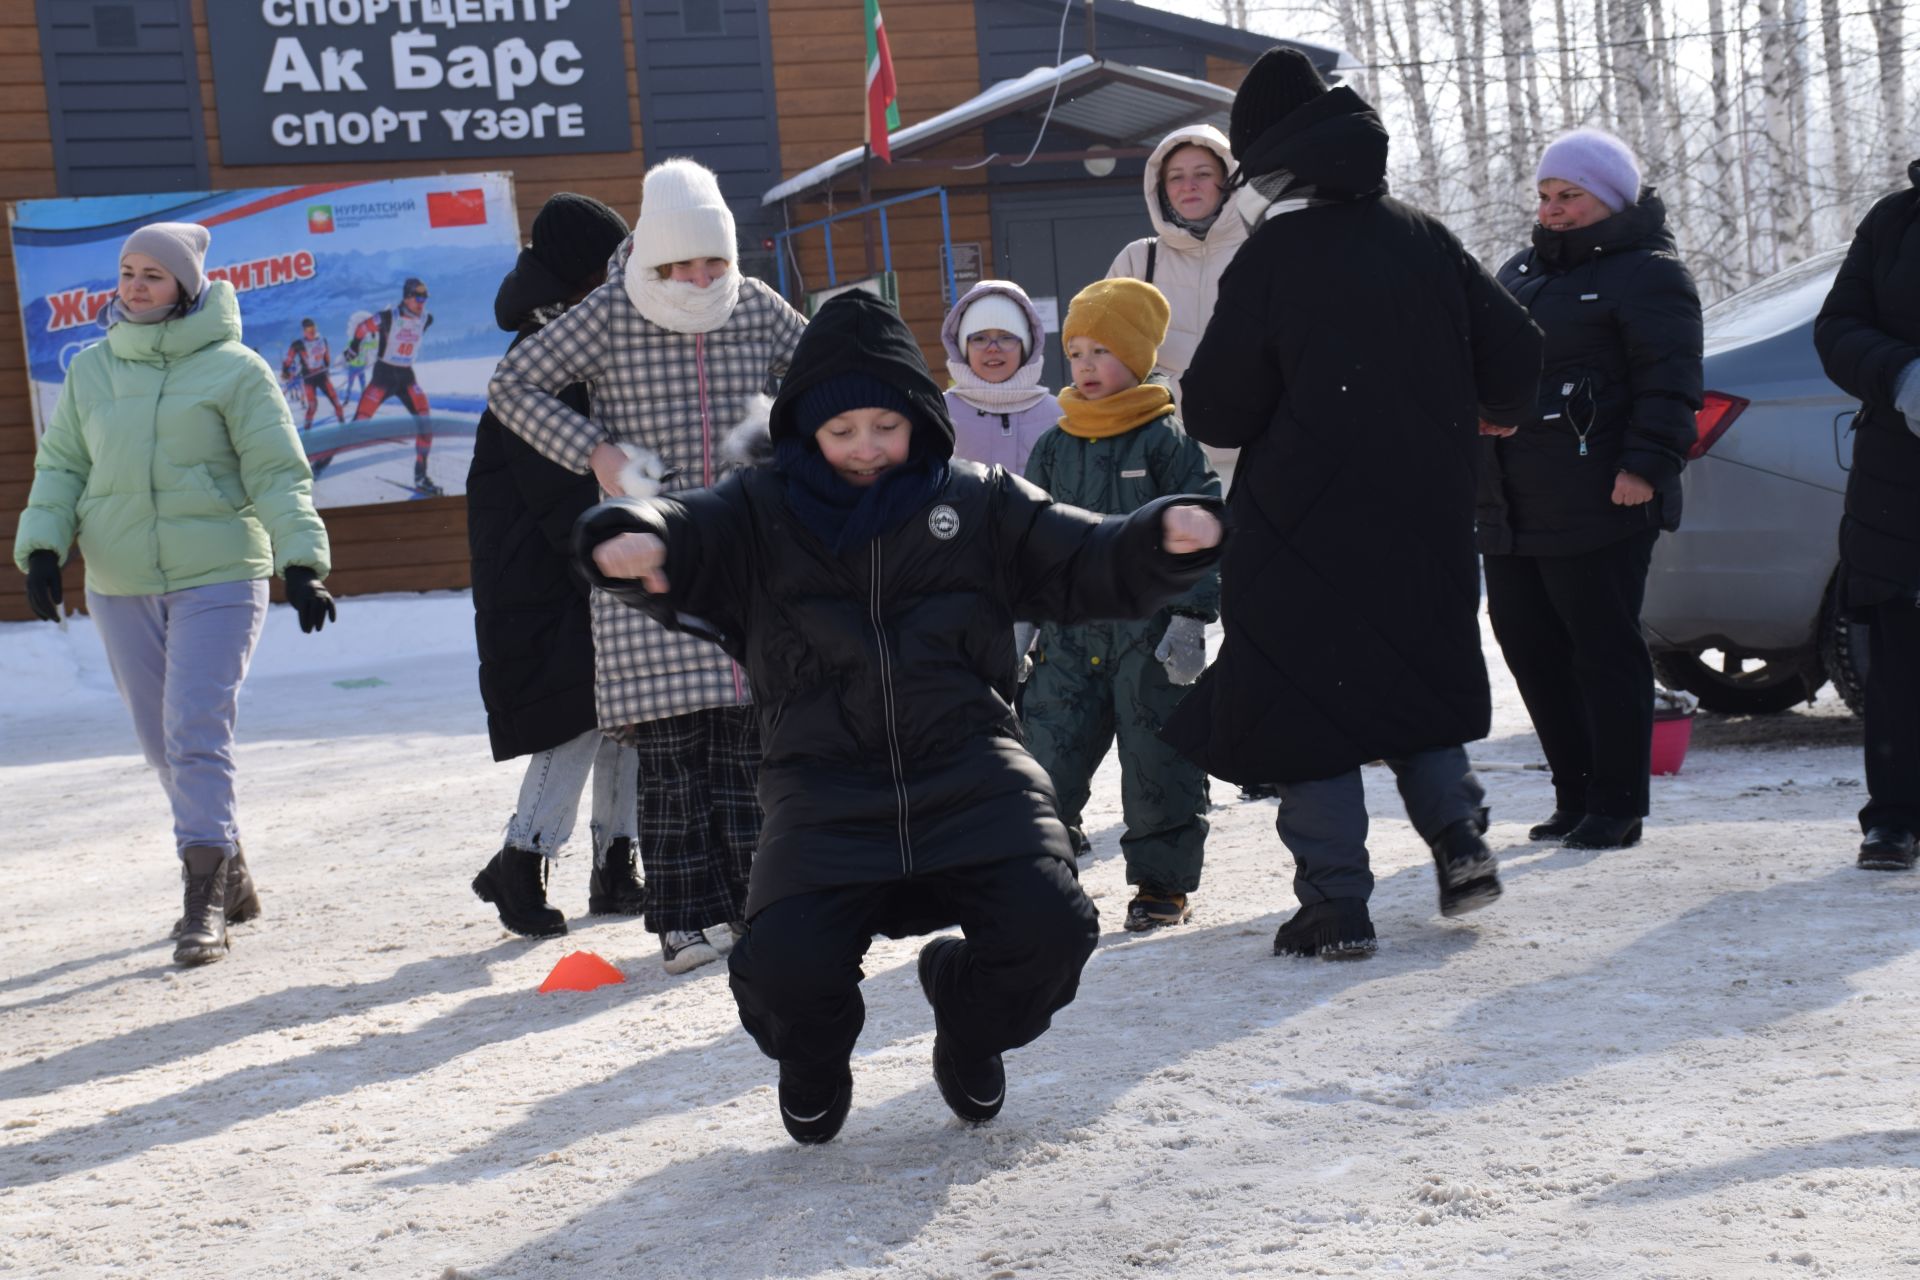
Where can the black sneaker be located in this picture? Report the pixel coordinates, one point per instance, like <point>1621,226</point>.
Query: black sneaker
<point>1152,909</point>
<point>1338,929</point>
<point>615,887</point>
<point>1466,869</point>
<point>973,1090</point>
<point>515,882</point>
<point>1889,849</point>
<point>1598,831</point>
<point>813,1112</point>
<point>1562,823</point>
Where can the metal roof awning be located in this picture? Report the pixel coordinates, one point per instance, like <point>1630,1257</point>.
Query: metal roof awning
<point>1123,106</point>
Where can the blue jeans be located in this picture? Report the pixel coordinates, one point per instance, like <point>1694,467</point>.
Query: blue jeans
<point>179,659</point>
<point>550,795</point>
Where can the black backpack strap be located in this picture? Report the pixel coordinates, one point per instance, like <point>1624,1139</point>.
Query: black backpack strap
<point>1153,255</point>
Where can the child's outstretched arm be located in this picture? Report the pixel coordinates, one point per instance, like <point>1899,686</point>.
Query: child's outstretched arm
<point>1069,565</point>
<point>680,560</point>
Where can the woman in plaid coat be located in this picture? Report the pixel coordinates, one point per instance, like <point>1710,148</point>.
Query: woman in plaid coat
<point>671,347</point>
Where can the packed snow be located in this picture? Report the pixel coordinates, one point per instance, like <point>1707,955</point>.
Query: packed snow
<point>1695,1058</point>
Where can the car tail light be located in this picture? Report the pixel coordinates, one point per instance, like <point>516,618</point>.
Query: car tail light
<point>1717,412</point>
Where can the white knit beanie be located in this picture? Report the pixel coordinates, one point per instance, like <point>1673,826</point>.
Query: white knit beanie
<point>997,311</point>
<point>682,216</point>
<point>180,247</point>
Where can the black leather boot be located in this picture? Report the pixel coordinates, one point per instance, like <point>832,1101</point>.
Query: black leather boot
<point>515,881</point>
<point>1466,869</point>
<point>1560,824</point>
<point>1598,831</point>
<point>1889,849</point>
<point>243,902</point>
<point>615,887</point>
<point>203,925</point>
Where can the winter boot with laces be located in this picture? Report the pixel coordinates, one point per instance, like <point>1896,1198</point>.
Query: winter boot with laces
<point>615,887</point>
<point>684,949</point>
<point>1465,868</point>
<point>1155,908</point>
<point>1337,929</point>
<point>203,926</point>
<point>974,1089</point>
<point>243,901</point>
<point>515,882</point>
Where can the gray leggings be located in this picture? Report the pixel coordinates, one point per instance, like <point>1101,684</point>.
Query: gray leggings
<point>550,795</point>
<point>179,660</point>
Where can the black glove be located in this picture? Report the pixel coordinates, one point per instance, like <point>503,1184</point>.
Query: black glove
<point>43,584</point>
<point>308,598</point>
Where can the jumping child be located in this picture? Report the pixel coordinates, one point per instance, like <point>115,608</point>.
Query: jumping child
<point>866,581</point>
<point>1118,447</point>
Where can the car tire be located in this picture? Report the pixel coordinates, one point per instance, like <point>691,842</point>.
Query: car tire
<point>1774,685</point>
<point>1843,652</point>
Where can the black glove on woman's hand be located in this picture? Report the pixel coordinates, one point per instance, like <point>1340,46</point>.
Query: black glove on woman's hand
<point>308,598</point>
<point>44,592</point>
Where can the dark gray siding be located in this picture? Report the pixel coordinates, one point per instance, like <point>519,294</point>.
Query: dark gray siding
<point>123,96</point>
<point>709,95</point>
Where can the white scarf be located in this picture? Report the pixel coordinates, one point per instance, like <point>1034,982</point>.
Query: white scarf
<point>1255,208</point>
<point>1016,395</point>
<point>678,306</point>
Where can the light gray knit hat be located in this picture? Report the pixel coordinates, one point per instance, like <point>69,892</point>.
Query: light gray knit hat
<point>180,247</point>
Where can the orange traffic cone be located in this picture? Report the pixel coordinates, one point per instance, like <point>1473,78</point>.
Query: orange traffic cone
<point>580,971</point>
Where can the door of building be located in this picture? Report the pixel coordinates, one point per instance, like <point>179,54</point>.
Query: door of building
<point>1053,244</point>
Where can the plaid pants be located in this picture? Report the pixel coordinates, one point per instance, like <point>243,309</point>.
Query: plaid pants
<point>699,815</point>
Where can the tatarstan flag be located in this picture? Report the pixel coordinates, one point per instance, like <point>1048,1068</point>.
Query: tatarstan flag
<point>883,112</point>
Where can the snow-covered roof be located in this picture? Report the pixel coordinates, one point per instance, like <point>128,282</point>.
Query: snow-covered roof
<point>1117,101</point>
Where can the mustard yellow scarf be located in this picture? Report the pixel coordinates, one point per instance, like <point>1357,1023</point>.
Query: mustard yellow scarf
<point>1112,415</point>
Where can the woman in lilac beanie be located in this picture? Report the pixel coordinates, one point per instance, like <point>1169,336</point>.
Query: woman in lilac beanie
<point>1572,501</point>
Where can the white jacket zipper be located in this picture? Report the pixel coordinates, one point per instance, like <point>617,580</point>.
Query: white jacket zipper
<point>894,758</point>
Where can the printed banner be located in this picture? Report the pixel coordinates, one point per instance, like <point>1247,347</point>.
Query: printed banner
<point>372,302</point>
<point>300,81</point>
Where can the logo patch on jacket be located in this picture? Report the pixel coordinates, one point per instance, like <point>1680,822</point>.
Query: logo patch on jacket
<point>944,521</point>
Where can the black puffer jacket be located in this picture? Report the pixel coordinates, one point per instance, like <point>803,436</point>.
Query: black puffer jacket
<point>882,675</point>
<point>1353,349</point>
<point>1622,323</point>
<point>1868,334</point>
<point>529,608</point>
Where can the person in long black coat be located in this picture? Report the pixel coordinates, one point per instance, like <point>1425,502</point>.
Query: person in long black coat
<point>867,582</point>
<point>1354,348</point>
<point>1868,335</point>
<point>1570,505</point>
<point>531,618</point>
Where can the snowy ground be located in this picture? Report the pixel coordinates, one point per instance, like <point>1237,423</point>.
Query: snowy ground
<point>1697,1058</point>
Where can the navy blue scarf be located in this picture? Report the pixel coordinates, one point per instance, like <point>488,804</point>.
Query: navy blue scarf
<point>845,516</point>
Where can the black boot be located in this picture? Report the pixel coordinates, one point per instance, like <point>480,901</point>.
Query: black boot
<point>1598,831</point>
<point>515,881</point>
<point>203,932</point>
<point>1260,791</point>
<point>814,1110</point>
<point>1889,849</point>
<point>974,1089</point>
<point>1338,929</point>
<point>243,902</point>
<point>1560,824</point>
<point>1465,868</point>
<point>615,887</point>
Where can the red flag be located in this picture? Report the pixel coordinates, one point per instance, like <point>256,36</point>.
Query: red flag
<point>883,112</point>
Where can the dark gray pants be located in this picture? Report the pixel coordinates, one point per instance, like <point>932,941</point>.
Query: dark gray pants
<point>1324,823</point>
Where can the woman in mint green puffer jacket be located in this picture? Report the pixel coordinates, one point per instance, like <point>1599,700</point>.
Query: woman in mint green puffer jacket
<point>172,460</point>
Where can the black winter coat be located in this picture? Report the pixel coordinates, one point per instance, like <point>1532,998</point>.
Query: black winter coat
<point>1868,333</point>
<point>1353,350</point>
<point>530,612</point>
<point>882,675</point>
<point>1622,323</point>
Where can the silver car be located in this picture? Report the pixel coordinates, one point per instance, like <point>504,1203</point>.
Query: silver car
<point>1740,602</point>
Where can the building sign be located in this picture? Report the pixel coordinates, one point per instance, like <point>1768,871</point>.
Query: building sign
<point>301,81</point>
<point>371,302</point>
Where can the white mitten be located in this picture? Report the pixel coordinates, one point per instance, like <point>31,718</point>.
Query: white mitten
<point>642,476</point>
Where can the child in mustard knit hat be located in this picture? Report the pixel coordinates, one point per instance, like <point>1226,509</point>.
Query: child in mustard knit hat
<point>1118,447</point>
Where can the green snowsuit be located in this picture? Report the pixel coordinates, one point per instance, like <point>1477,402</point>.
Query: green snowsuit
<point>1099,681</point>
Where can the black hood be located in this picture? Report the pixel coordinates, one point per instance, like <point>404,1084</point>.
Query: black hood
<point>1641,225</point>
<point>1334,144</point>
<point>528,288</point>
<point>857,332</point>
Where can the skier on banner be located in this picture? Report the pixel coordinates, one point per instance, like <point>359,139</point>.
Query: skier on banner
<point>308,365</point>
<point>395,334</point>
<point>355,360</point>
